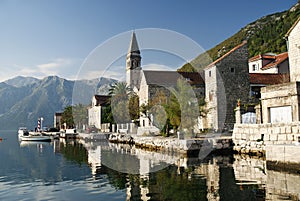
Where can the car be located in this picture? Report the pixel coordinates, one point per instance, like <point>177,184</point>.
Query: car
<point>91,129</point>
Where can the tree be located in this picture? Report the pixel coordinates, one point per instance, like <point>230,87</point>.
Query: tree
<point>75,116</point>
<point>107,116</point>
<point>80,115</point>
<point>124,103</point>
<point>134,110</point>
<point>67,117</point>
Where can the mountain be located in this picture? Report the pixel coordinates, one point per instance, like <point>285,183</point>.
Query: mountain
<point>24,99</point>
<point>264,35</point>
<point>21,81</point>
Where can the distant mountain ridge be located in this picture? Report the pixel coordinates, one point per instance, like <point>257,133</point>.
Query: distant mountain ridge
<point>264,35</point>
<point>24,99</point>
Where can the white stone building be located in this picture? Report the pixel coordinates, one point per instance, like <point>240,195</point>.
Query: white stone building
<point>95,111</point>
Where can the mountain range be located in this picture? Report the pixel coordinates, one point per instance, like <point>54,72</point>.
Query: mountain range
<point>25,99</point>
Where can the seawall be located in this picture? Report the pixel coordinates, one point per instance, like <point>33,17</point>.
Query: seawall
<point>193,146</point>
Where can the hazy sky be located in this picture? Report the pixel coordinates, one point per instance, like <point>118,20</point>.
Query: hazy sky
<point>53,37</point>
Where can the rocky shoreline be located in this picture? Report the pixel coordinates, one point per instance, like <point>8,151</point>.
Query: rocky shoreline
<point>172,144</point>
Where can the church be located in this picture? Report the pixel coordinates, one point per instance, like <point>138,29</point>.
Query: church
<point>147,83</point>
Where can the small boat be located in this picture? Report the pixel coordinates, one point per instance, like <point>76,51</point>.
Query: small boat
<point>33,136</point>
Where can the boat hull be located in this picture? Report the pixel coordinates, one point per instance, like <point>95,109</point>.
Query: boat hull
<point>35,138</point>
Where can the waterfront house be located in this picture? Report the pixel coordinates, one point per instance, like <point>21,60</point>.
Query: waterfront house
<point>280,103</point>
<point>277,130</point>
<point>95,111</point>
<point>226,81</point>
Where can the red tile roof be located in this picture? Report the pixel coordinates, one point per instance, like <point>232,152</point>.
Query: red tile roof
<point>227,54</point>
<point>262,56</point>
<point>278,60</point>
<point>268,79</point>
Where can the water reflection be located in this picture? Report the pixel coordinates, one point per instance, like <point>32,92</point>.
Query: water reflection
<point>73,170</point>
<point>215,178</point>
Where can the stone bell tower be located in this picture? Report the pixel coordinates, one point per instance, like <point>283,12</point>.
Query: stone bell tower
<point>133,64</point>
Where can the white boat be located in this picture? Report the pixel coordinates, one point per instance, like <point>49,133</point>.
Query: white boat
<point>34,136</point>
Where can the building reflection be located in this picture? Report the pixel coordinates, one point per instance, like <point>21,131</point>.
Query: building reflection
<point>148,175</point>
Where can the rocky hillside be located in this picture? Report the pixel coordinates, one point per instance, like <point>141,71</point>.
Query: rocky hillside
<point>266,34</point>
<point>23,99</point>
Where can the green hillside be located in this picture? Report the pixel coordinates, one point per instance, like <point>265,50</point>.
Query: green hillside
<point>266,34</point>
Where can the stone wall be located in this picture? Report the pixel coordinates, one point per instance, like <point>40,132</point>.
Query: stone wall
<point>282,186</point>
<point>280,95</point>
<point>253,138</point>
<point>249,170</point>
<point>283,153</point>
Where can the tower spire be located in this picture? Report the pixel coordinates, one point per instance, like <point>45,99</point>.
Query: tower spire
<point>133,47</point>
<point>133,63</point>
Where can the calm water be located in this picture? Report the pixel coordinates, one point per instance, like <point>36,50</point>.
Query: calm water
<point>78,170</point>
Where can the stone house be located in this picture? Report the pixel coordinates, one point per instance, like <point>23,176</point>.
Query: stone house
<point>269,63</point>
<point>276,132</point>
<point>280,103</point>
<point>226,82</point>
<point>95,111</point>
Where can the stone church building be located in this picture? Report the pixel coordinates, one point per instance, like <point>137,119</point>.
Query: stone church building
<point>146,84</point>
<point>225,81</point>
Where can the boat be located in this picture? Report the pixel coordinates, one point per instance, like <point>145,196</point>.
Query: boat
<point>33,136</point>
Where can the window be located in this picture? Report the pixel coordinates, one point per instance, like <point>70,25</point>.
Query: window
<point>254,67</point>
<point>232,69</point>
<point>209,73</point>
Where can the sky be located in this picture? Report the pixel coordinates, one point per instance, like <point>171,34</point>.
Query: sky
<point>39,38</point>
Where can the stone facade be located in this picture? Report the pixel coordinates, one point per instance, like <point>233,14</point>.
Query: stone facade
<point>226,81</point>
<point>285,99</point>
<point>95,111</point>
<point>294,51</point>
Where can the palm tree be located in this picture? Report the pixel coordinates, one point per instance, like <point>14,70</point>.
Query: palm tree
<point>120,97</point>
<point>120,89</point>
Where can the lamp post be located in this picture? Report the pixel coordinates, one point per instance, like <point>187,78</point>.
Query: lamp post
<point>42,119</point>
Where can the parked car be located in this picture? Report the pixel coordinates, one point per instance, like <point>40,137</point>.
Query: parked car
<point>91,129</point>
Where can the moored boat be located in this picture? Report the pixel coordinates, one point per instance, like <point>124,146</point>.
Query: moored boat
<point>31,137</point>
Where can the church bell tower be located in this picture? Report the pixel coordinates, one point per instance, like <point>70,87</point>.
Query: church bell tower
<point>133,64</point>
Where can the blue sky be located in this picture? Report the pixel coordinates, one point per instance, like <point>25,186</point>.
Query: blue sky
<point>54,37</point>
